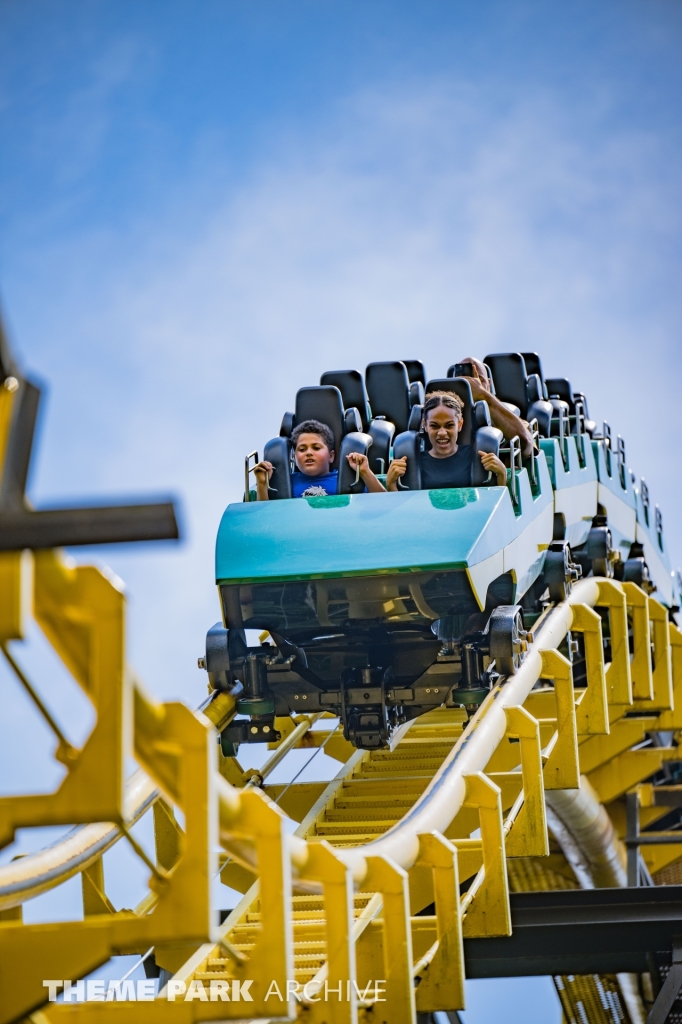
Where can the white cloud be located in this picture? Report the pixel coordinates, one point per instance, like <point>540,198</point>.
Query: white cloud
<point>423,220</point>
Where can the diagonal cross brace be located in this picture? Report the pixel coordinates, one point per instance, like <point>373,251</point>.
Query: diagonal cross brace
<point>660,1011</point>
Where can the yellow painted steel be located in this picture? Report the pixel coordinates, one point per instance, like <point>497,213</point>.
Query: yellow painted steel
<point>80,610</point>
<point>442,981</point>
<point>8,395</point>
<point>561,770</point>
<point>528,835</point>
<point>592,711</point>
<point>337,906</point>
<point>15,588</point>
<point>640,665</point>
<point>618,674</point>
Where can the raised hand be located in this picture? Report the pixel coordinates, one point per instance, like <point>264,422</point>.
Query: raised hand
<point>263,471</point>
<point>396,470</point>
<point>358,461</point>
<point>360,464</point>
<point>494,465</point>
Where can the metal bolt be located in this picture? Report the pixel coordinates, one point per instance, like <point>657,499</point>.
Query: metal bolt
<point>11,384</point>
<point>266,728</point>
<point>305,696</point>
<point>428,690</point>
<point>201,662</point>
<point>295,696</point>
<point>254,729</point>
<point>436,690</point>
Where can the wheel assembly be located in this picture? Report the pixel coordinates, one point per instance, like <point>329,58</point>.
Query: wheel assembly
<point>560,571</point>
<point>600,551</point>
<point>508,639</point>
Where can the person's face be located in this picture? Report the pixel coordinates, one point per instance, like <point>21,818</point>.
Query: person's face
<point>443,426</point>
<point>479,370</point>
<point>312,455</point>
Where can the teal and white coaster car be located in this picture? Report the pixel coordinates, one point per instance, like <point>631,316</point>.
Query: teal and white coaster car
<point>379,607</point>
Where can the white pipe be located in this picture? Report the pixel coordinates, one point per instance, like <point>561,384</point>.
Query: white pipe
<point>590,844</point>
<point>443,798</point>
<point>22,879</point>
<point>445,794</point>
<point>435,809</point>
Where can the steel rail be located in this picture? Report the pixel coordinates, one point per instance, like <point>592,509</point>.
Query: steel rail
<point>435,810</point>
<point>443,798</point>
<point>36,873</point>
<point>29,876</point>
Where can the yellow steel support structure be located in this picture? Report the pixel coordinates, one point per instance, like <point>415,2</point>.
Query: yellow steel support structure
<point>336,925</point>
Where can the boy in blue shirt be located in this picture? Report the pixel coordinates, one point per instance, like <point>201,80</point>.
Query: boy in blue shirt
<point>313,445</point>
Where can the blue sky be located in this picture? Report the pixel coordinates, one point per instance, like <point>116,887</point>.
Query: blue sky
<point>205,205</point>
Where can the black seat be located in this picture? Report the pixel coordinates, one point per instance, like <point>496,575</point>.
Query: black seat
<point>476,431</point>
<point>510,376</point>
<point>559,387</point>
<point>326,405</point>
<point>323,403</point>
<point>391,397</point>
<point>513,385</point>
<point>353,391</point>
<point>415,371</point>
<point>589,425</point>
<point>560,390</point>
<point>533,365</point>
<point>561,394</point>
<point>416,393</point>
<point>351,384</point>
<point>388,387</point>
<point>538,407</point>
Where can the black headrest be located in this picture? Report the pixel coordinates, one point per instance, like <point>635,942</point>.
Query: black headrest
<point>509,373</point>
<point>353,391</point>
<point>460,387</point>
<point>561,388</point>
<point>388,386</point>
<point>533,365</point>
<point>535,390</point>
<point>288,424</point>
<point>415,370</point>
<point>415,420</point>
<point>324,404</point>
<point>416,393</point>
<point>352,421</point>
<point>482,415</point>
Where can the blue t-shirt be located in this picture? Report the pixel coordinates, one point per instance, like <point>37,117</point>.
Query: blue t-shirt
<point>304,486</point>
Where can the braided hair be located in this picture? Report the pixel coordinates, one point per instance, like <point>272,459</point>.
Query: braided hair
<point>446,398</point>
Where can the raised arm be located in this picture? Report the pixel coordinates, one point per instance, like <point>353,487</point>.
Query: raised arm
<point>503,418</point>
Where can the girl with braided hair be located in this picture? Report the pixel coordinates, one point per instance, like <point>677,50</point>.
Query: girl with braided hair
<point>447,463</point>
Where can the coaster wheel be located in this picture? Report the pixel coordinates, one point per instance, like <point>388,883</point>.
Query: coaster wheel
<point>560,571</point>
<point>635,570</point>
<point>601,552</point>
<point>508,639</point>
